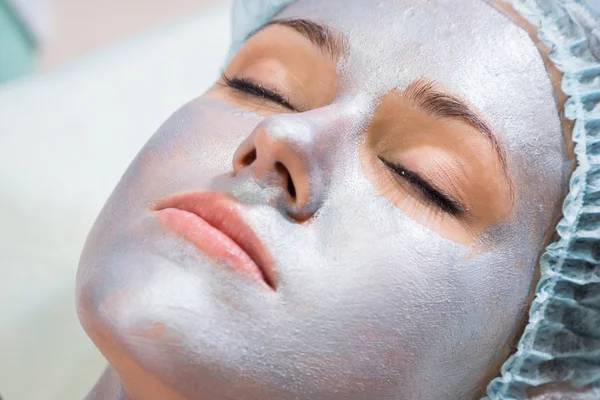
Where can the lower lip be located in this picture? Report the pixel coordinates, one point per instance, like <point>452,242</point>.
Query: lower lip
<point>211,241</point>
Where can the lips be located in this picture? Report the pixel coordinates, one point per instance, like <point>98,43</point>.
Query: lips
<point>212,222</point>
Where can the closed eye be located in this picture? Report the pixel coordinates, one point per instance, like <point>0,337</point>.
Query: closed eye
<point>246,86</point>
<point>432,194</point>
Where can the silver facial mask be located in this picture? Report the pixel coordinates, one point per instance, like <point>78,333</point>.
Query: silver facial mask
<point>369,303</point>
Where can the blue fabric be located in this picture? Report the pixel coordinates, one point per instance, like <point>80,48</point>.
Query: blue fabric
<point>248,15</point>
<point>561,342</point>
<point>17,47</point>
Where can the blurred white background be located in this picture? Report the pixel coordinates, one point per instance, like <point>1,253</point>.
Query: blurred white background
<point>67,134</point>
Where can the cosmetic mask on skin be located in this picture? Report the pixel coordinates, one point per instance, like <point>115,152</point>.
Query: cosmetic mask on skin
<point>373,300</point>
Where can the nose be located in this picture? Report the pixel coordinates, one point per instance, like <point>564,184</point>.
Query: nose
<point>286,152</point>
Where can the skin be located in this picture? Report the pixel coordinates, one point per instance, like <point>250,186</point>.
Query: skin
<point>381,294</point>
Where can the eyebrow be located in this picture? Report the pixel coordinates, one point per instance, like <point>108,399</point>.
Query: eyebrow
<point>332,43</point>
<point>443,105</point>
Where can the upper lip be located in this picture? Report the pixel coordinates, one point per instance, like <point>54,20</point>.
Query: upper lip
<point>221,211</point>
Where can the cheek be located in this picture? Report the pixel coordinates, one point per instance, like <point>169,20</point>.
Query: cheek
<point>192,147</point>
<point>418,297</point>
<point>204,133</point>
<point>180,156</point>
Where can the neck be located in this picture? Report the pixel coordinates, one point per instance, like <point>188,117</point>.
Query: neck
<point>108,387</point>
<point>133,384</point>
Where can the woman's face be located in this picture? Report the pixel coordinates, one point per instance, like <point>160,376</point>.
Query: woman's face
<point>365,196</point>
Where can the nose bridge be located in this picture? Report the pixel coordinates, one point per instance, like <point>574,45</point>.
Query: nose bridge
<point>312,139</point>
<point>296,152</point>
<point>317,133</point>
<point>291,132</point>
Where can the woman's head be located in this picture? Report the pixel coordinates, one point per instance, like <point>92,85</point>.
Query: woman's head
<point>400,164</point>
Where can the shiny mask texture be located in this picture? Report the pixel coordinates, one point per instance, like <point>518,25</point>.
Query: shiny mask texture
<point>369,304</point>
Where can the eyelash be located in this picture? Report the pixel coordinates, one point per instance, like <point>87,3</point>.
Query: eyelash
<point>431,194</point>
<point>248,87</point>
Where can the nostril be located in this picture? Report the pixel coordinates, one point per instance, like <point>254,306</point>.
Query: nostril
<point>283,171</point>
<point>249,158</point>
<point>291,187</point>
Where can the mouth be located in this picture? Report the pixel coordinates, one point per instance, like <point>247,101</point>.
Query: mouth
<point>212,222</point>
